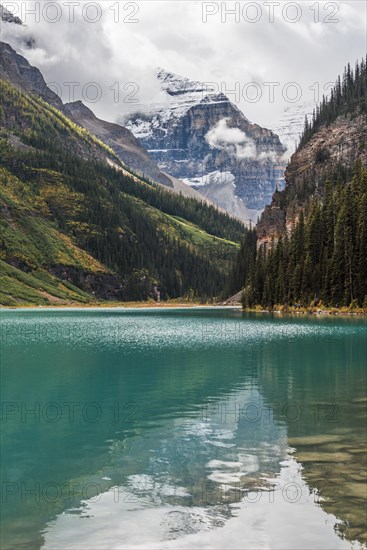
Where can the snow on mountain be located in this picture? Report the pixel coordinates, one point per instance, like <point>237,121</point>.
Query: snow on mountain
<point>220,187</point>
<point>290,125</point>
<point>181,94</point>
<point>196,134</point>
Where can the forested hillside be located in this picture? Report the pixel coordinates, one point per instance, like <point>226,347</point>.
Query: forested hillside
<point>312,239</point>
<point>348,97</point>
<point>70,219</point>
<point>323,258</point>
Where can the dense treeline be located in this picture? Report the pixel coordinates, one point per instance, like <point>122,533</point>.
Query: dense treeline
<point>243,264</point>
<point>348,96</point>
<point>323,259</point>
<point>128,226</point>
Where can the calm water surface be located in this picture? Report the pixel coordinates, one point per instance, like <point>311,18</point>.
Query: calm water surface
<point>200,428</point>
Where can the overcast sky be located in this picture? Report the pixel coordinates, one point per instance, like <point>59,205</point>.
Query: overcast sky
<point>278,43</point>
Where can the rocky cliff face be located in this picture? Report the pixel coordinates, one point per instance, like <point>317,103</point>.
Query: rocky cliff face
<point>121,140</point>
<point>203,139</point>
<point>16,69</point>
<point>341,143</point>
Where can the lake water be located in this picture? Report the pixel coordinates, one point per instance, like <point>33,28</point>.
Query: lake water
<point>198,428</point>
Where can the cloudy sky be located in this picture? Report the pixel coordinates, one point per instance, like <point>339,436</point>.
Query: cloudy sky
<point>264,55</point>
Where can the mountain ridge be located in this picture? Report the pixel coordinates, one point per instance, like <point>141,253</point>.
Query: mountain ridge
<point>123,142</point>
<point>17,70</point>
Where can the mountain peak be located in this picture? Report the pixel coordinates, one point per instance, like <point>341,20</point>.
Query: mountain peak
<point>175,84</point>
<point>78,108</point>
<point>181,94</point>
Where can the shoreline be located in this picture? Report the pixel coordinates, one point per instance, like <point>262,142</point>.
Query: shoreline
<point>120,305</point>
<point>311,311</point>
<point>124,306</point>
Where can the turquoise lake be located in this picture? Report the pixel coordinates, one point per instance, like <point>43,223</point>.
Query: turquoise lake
<point>182,428</point>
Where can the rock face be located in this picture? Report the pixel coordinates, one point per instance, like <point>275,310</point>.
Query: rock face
<point>16,69</point>
<point>203,139</point>
<point>121,140</point>
<point>342,142</point>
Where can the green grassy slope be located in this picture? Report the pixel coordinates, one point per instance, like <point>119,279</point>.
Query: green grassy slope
<point>18,288</point>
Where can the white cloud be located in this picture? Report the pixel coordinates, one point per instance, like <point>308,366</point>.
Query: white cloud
<point>235,142</point>
<point>173,35</point>
<point>232,140</point>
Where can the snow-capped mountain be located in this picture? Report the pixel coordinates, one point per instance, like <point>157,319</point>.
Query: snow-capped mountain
<point>290,125</point>
<point>202,138</point>
<point>180,94</point>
